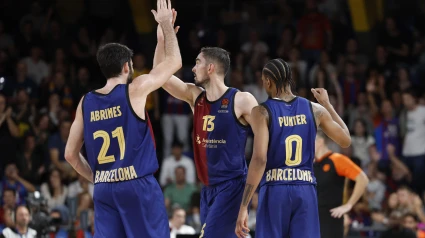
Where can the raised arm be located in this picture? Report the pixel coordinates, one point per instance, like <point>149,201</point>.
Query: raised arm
<point>328,120</point>
<point>172,61</point>
<point>177,88</point>
<point>259,125</point>
<point>74,144</point>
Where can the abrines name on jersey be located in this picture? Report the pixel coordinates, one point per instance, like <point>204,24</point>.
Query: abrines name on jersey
<point>114,175</point>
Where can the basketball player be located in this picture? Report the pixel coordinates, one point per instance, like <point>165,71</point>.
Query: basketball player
<point>119,141</point>
<point>221,119</point>
<point>284,130</point>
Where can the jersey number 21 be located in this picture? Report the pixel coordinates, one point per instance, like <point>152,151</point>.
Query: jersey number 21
<point>118,133</point>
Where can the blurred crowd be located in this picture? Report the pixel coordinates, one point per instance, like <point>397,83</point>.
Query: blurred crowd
<point>47,63</point>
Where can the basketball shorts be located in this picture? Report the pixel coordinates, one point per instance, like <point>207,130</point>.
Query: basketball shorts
<point>130,209</point>
<point>220,208</point>
<point>287,211</point>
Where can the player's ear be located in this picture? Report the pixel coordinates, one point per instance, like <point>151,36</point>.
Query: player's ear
<point>126,68</point>
<point>211,68</point>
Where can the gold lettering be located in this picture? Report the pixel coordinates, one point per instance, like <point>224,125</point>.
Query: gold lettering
<point>290,121</point>
<point>273,174</point>
<point>119,111</point>
<point>285,121</point>
<point>115,111</point>
<point>289,174</point>
<point>279,174</point>
<point>133,172</point>
<point>284,174</point>
<point>127,173</point>
<point>299,174</point>
<point>298,120</point>
<point>303,119</point>
<point>112,175</point>
<point>102,175</point>
<point>96,115</point>
<point>280,121</point>
<point>96,177</point>
<point>102,115</point>
<point>92,118</point>
<point>121,174</point>
<point>268,175</point>
<point>294,174</point>
<point>105,111</point>
<point>110,113</point>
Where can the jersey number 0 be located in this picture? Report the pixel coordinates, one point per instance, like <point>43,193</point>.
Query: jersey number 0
<point>298,149</point>
<point>118,133</point>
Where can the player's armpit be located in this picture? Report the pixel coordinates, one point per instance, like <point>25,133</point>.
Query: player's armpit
<point>187,92</point>
<point>330,127</point>
<point>344,166</point>
<point>244,103</point>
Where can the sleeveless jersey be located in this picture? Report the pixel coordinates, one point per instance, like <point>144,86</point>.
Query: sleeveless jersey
<point>120,146</point>
<point>219,139</point>
<point>290,155</point>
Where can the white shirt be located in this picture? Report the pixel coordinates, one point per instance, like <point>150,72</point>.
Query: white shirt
<point>75,188</point>
<point>414,141</point>
<point>53,202</point>
<point>184,230</point>
<point>361,146</point>
<point>37,70</point>
<point>170,164</point>
<point>9,233</point>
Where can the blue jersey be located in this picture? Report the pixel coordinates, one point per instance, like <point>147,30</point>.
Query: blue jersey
<point>120,145</point>
<point>219,139</point>
<point>290,155</point>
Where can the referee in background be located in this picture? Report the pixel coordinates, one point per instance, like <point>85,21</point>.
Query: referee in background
<point>331,170</point>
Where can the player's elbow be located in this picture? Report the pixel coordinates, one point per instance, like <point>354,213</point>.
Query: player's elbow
<point>346,142</point>
<point>70,157</point>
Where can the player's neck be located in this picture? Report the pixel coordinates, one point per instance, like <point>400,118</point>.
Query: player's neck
<point>284,96</point>
<point>111,83</point>
<point>215,90</point>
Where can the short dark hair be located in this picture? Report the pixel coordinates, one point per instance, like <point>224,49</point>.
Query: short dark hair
<point>112,57</point>
<point>412,92</point>
<point>10,190</point>
<point>218,56</point>
<point>412,215</point>
<point>280,73</point>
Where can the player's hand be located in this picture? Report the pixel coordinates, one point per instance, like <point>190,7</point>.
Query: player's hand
<point>321,96</point>
<point>164,12</point>
<point>242,229</point>
<point>160,33</point>
<point>338,212</point>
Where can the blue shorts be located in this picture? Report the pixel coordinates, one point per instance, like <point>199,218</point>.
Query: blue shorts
<point>132,208</point>
<point>287,211</point>
<point>220,208</point>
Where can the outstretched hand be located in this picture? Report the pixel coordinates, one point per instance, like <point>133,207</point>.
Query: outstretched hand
<point>163,13</point>
<point>160,34</point>
<point>321,95</point>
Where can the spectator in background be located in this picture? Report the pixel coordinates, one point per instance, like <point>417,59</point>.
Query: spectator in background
<point>54,191</point>
<point>314,32</point>
<point>26,39</point>
<point>80,186</point>
<point>375,191</point>
<point>7,211</point>
<point>254,49</point>
<point>414,140</point>
<point>360,111</point>
<point>324,63</point>
<point>6,40</point>
<point>396,229</point>
<point>21,229</point>
<point>24,111</point>
<point>57,143</point>
<point>83,85</point>
<point>38,70</point>
<point>177,224</point>
<point>85,204</point>
<point>53,109</point>
<point>177,159</point>
<point>12,180</point>
<point>410,221</point>
<point>350,83</point>
<point>59,86</point>
<point>30,160</point>
<point>194,216</point>
<point>362,142</point>
<point>296,62</point>
<point>83,48</point>
<point>395,43</point>
<point>352,53</point>
<point>21,81</point>
<point>175,121</point>
<point>60,220</point>
<point>180,192</point>
<point>286,43</point>
<point>8,132</point>
<point>402,83</point>
<point>257,89</point>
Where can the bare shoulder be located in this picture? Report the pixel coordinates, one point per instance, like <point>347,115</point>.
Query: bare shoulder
<point>245,100</point>
<point>318,112</point>
<point>260,111</point>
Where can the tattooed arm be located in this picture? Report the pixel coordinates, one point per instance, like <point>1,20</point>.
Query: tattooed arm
<point>328,119</point>
<point>259,125</point>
